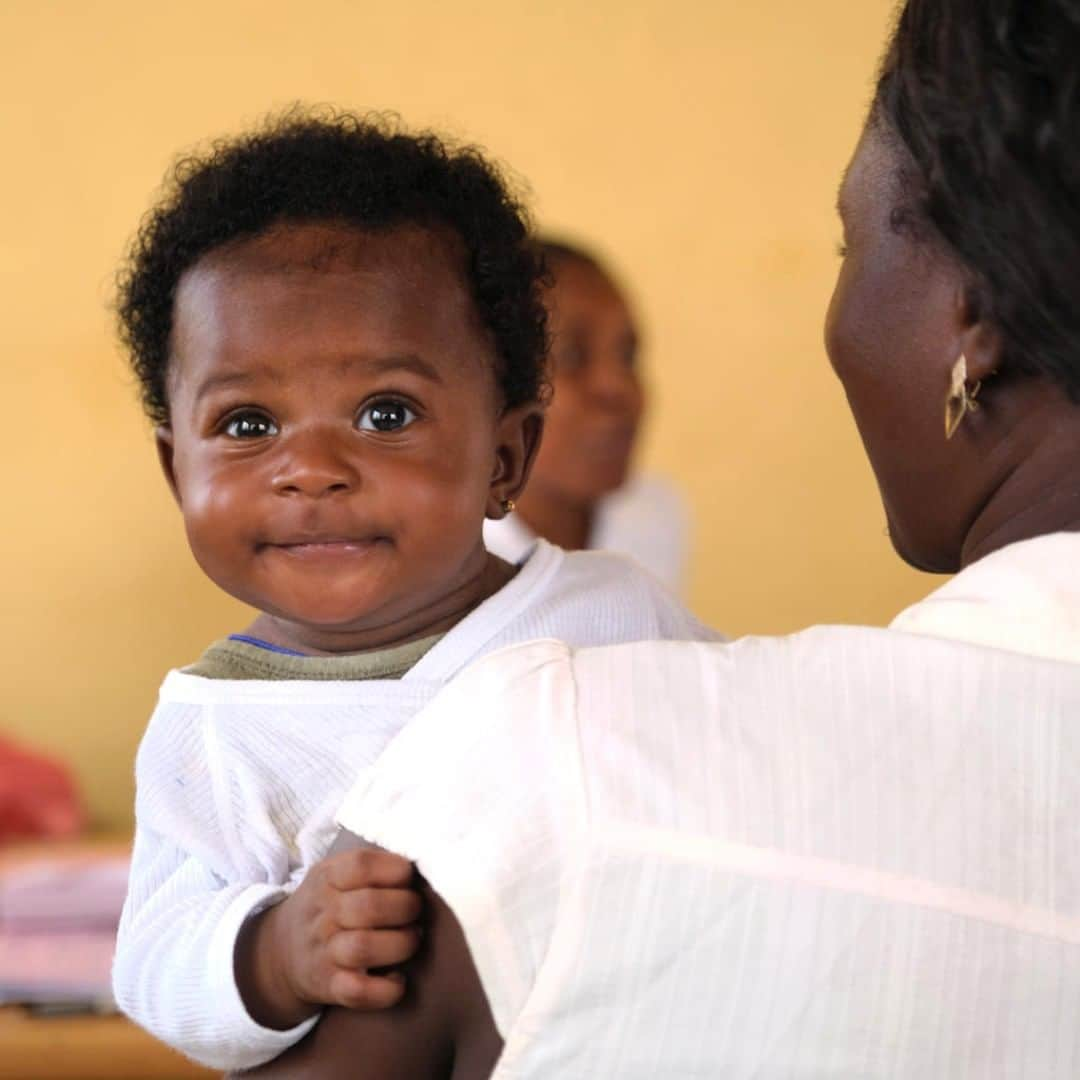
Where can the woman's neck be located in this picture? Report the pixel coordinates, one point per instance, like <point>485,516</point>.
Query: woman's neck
<point>1039,496</point>
<point>557,520</point>
<point>1053,512</point>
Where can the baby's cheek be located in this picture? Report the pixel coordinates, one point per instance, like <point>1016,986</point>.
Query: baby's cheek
<point>211,504</point>
<point>451,508</point>
<point>218,517</point>
<point>445,508</point>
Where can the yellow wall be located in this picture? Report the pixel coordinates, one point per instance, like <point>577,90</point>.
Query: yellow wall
<point>700,145</point>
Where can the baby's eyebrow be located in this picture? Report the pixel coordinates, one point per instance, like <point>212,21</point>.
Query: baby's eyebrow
<point>410,362</point>
<point>378,365</point>
<point>227,378</point>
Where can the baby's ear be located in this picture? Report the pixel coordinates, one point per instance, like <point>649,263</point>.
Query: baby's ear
<point>163,439</point>
<point>517,438</point>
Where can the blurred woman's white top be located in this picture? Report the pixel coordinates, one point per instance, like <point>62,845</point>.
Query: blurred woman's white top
<point>645,519</point>
<point>849,853</point>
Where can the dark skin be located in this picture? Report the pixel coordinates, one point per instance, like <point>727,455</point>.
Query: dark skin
<point>595,411</point>
<point>336,438</point>
<point>900,316</point>
<point>442,1029</point>
<point>335,435</point>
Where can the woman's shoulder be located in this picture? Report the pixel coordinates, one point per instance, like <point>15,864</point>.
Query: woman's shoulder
<point>1023,598</point>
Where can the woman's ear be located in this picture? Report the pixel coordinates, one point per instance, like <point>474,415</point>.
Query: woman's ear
<point>981,344</point>
<point>980,341</point>
<point>517,438</point>
<point>163,440</point>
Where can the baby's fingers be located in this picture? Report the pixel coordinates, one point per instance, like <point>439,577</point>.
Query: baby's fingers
<point>364,868</point>
<point>361,949</point>
<point>358,990</point>
<point>377,908</point>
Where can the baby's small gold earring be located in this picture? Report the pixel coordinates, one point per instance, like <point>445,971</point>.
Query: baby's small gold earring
<point>508,506</point>
<point>960,400</point>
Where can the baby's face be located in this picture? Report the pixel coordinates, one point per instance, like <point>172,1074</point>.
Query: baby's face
<point>333,424</point>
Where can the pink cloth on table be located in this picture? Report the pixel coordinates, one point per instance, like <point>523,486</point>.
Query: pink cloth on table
<point>58,919</point>
<point>44,968</point>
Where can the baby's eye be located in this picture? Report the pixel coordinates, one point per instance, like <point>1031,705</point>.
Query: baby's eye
<point>386,415</point>
<point>250,425</point>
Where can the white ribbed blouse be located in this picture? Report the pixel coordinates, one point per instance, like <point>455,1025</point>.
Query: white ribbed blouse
<point>238,781</point>
<point>847,853</point>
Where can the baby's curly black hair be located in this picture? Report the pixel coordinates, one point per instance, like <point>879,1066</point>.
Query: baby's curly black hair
<point>330,165</point>
<point>985,97</point>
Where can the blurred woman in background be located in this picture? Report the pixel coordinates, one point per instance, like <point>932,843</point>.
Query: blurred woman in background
<point>582,492</point>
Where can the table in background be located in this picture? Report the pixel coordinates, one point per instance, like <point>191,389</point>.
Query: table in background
<point>81,1047</point>
<point>85,1048</point>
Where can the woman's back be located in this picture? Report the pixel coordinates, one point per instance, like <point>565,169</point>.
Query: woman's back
<point>844,853</point>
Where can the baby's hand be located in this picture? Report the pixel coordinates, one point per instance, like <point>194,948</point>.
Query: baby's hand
<point>354,912</point>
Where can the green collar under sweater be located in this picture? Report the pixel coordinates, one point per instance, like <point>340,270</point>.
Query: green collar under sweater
<point>228,659</point>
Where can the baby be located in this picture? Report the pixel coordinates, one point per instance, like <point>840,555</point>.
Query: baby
<point>339,336</point>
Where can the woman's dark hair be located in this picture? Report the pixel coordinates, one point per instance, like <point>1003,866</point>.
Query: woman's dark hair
<point>985,97</point>
<point>335,166</point>
<point>556,248</point>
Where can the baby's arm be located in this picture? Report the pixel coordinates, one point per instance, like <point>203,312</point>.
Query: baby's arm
<point>354,911</point>
<point>234,974</point>
<point>201,878</point>
<point>173,971</point>
<point>442,1028</point>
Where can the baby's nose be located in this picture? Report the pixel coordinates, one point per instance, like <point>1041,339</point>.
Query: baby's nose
<point>314,465</point>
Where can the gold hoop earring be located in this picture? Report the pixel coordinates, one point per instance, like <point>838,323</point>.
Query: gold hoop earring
<point>960,400</point>
<point>508,506</point>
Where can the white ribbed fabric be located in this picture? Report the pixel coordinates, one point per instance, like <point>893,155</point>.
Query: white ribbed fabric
<point>238,782</point>
<point>1025,598</point>
<point>645,519</point>
<point>847,853</point>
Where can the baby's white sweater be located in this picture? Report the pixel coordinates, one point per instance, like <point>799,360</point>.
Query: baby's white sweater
<point>239,780</point>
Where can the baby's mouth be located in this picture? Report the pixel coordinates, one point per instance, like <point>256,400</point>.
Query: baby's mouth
<point>325,546</point>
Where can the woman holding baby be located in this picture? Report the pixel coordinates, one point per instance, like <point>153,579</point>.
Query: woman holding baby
<point>849,852</point>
